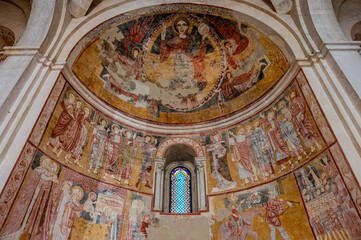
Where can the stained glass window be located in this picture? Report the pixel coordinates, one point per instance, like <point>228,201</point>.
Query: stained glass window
<point>180,191</point>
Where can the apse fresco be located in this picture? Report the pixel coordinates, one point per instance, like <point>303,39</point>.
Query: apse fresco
<point>180,66</point>
<point>277,174</point>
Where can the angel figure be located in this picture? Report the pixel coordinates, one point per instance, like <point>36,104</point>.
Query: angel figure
<point>134,37</point>
<point>237,45</point>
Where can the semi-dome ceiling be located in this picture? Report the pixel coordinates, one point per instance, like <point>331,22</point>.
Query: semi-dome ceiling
<point>179,63</point>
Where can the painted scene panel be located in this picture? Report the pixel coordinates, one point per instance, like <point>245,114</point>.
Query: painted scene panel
<point>272,211</point>
<point>329,205</point>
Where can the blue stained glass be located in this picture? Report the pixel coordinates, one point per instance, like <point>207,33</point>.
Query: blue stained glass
<point>180,191</point>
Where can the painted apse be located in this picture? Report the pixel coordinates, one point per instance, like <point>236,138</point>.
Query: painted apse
<point>179,66</point>
<point>280,174</point>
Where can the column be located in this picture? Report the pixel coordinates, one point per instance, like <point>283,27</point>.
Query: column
<point>201,183</point>
<point>158,183</point>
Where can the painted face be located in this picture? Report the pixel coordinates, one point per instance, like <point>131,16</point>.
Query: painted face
<point>71,98</point>
<point>228,46</point>
<point>66,187</point>
<point>92,196</point>
<point>282,104</point>
<point>216,138</point>
<point>103,123</point>
<point>78,104</point>
<point>86,111</point>
<point>136,53</point>
<point>229,75</point>
<point>147,218</point>
<point>182,27</point>
<point>147,139</point>
<point>116,129</point>
<point>240,131</point>
<point>293,94</point>
<point>128,134</point>
<point>270,115</point>
<point>256,124</point>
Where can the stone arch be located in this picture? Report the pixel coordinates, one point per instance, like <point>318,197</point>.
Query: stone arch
<point>194,159</point>
<point>180,155</point>
<point>165,145</point>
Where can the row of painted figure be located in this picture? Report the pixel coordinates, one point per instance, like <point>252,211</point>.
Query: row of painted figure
<point>263,148</point>
<point>268,144</point>
<point>112,143</point>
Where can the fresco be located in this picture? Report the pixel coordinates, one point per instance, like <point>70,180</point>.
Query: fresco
<point>139,217</point>
<point>332,212</point>
<point>84,139</point>
<point>278,174</point>
<point>180,67</point>
<point>273,211</point>
<point>268,145</point>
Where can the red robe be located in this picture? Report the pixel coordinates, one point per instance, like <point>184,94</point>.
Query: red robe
<point>74,132</point>
<point>304,127</point>
<point>274,133</point>
<point>274,209</point>
<point>63,122</point>
<point>241,153</point>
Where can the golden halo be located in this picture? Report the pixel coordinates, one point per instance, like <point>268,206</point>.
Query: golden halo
<point>77,189</point>
<point>70,93</point>
<point>92,194</point>
<point>282,102</point>
<point>139,50</point>
<point>294,90</point>
<point>101,119</point>
<point>214,134</point>
<point>232,198</point>
<point>224,43</point>
<point>184,18</point>
<point>114,126</point>
<point>226,72</point>
<point>151,137</point>
<point>86,107</point>
<point>125,130</point>
<point>248,124</point>
<point>257,120</point>
<point>55,166</point>
<point>272,111</point>
<point>239,128</point>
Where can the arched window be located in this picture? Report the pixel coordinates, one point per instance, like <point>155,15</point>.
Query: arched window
<point>180,185</point>
<point>180,192</point>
